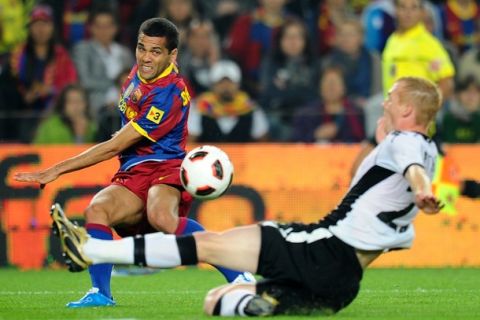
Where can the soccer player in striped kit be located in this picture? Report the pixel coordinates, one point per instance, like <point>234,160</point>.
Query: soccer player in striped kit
<point>145,195</point>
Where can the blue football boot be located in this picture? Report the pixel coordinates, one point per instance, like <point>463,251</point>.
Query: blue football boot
<point>93,298</point>
<point>245,277</point>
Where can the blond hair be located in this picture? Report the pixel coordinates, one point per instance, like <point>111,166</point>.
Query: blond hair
<point>424,95</point>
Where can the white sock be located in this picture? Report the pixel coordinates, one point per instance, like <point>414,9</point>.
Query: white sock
<point>161,250</point>
<point>233,302</point>
<point>109,251</point>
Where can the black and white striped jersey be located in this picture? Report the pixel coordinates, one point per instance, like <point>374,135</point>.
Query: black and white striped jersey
<point>377,211</point>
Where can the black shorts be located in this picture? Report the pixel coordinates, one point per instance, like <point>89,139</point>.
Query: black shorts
<point>307,269</point>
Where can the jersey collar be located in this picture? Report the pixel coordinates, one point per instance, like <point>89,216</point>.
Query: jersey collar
<point>165,73</point>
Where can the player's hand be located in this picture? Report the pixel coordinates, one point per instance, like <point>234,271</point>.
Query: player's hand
<point>41,177</point>
<point>428,203</point>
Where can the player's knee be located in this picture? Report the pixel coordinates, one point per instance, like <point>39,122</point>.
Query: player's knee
<point>208,245</point>
<point>95,213</point>
<point>163,220</point>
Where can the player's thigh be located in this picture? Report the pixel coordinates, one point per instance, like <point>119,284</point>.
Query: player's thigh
<point>115,205</point>
<point>162,207</point>
<point>237,248</point>
<point>215,294</point>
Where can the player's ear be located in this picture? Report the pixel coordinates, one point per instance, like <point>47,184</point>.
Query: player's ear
<point>173,55</point>
<point>407,109</point>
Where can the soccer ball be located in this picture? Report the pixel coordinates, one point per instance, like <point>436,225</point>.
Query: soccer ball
<point>206,172</point>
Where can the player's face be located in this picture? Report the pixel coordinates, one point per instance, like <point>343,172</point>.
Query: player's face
<point>392,107</point>
<point>409,13</point>
<point>153,56</point>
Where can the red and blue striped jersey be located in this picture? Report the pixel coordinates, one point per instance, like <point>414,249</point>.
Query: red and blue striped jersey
<point>158,110</point>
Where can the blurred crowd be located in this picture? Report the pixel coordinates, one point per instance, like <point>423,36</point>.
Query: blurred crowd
<point>268,70</point>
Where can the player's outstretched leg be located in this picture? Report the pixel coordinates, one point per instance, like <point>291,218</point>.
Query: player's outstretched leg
<point>72,239</point>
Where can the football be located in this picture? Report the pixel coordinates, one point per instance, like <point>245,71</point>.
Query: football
<point>206,172</point>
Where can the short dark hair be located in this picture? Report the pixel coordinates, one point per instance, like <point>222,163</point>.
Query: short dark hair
<point>102,10</point>
<point>161,27</point>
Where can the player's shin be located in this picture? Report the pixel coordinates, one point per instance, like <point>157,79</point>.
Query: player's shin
<point>153,250</point>
<point>100,274</point>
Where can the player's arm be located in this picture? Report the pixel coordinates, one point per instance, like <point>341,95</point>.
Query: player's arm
<point>126,137</point>
<point>422,189</point>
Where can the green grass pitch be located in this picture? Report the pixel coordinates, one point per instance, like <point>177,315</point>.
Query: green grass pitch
<point>178,294</point>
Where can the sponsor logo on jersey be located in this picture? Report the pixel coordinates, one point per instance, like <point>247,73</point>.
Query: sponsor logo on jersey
<point>155,115</point>
<point>128,111</point>
<point>128,91</point>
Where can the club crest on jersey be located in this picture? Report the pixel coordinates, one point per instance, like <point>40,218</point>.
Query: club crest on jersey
<point>155,115</point>
<point>136,95</point>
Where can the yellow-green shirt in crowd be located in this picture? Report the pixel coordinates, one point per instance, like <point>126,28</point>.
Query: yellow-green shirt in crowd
<point>415,52</point>
<point>13,23</point>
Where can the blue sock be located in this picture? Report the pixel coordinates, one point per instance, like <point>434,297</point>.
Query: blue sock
<point>100,274</point>
<point>188,226</point>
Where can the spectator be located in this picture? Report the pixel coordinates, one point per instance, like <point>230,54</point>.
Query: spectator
<point>469,64</point>
<point>331,119</point>
<point>461,21</point>
<point>39,69</point>
<point>461,122</point>
<point>226,114</point>
<point>200,53</point>
<point>361,68</point>
<point>288,78</point>
<point>71,17</point>
<point>69,123</point>
<point>100,59</point>
<point>180,12</point>
<point>223,13</point>
<point>13,14</point>
<point>250,39</point>
<point>331,14</point>
<point>413,51</point>
<point>378,19</point>
<point>433,23</point>
<point>108,118</point>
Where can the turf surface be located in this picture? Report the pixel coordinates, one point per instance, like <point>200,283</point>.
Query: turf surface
<point>178,294</point>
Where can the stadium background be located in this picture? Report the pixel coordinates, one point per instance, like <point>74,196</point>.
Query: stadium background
<point>286,182</point>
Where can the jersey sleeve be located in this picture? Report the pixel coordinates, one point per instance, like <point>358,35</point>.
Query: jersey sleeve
<point>440,65</point>
<point>404,150</point>
<point>159,114</point>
